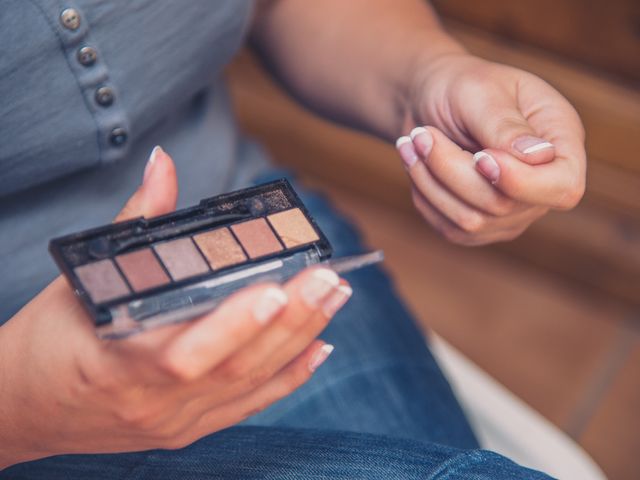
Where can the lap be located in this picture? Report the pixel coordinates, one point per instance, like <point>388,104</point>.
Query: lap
<point>283,453</point>
<point>381,378</point>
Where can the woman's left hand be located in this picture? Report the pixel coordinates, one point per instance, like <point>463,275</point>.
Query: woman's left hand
<point>527,139</point>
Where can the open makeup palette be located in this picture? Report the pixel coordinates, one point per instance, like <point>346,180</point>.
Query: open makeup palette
<point>142,273</point>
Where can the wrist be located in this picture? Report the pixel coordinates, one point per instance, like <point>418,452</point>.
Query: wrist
<point>429,75</point>
<point>13,430</point>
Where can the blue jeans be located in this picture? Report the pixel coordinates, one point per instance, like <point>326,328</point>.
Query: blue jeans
<point>379,408</point>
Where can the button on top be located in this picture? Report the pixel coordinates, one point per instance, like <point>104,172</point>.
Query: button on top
<point>104,96</point>
<point>118,136</point>
<point>87,56</point>
<point>70,19</point>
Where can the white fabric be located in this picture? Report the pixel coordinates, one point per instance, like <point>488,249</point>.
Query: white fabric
<point>505,424</point>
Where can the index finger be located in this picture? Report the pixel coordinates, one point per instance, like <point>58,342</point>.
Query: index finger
<point>208,341</point>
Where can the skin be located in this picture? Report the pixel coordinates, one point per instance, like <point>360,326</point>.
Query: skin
<point>160,389</point>
<point>365,63</point>
<point>386,70</point>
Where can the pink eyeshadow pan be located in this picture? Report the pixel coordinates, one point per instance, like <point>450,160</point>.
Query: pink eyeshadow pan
<point>142,269</point>
<point>256,237</point>
<point>220,248</point>
<point>102,280</point>
<point>181,258</point>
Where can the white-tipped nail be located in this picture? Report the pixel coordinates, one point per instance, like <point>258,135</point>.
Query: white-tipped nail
<point>402,140</point>
<point>407,151</point>
<point>527,144</point>
<point>417,131</point>
<point>336,300</point>
<point>538,147</point>
<point>270,303</point>
<point>488,166</point>
<point>318,285</point>
<point>320,356</point>
<point>150,162</point>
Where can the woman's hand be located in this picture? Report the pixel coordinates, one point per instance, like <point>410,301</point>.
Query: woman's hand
<point>66,391</point>
<point>527,139</point>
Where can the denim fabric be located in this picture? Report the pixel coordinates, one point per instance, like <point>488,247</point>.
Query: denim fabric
<point>379,408</point>
<point>284,454</point>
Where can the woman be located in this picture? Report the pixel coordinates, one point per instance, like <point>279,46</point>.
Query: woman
<point>89,87</point>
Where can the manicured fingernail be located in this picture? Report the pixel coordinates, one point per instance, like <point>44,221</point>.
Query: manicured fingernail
<point>407,151</point>
<point>487,166</point>
<point>529,144</point>
<point>423,140</point>
<point>270,303</point>
<point>320,356</point>
<point>318,285</point>
<point>336,300</point>
<point>152,159</point>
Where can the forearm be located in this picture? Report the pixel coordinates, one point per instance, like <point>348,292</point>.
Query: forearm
<point>353,61</point>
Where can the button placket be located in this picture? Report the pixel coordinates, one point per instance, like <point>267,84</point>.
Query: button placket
<point>93,77</point>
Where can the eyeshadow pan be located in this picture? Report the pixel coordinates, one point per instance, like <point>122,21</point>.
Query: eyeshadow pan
<point>293,227</point>
<point>181,258</point>
<point>220,248</point>
<point>142,269</point>
<point>256,237</point>
<point>102,280</point>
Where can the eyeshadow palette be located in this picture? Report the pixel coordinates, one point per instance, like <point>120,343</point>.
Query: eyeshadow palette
<point>142,273</point>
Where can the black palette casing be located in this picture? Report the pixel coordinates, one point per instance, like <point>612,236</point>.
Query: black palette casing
<point>224,210</point>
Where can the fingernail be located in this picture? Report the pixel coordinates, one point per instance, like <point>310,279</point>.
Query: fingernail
<point>151,162</point>
<point>487,166</point>
<point>423,140</point>
<point>407,151</point>
<point>318,285</point>
<point>336,300</point>
<point>270,303</point>
<point>320,356</point>
<point>529,144</point>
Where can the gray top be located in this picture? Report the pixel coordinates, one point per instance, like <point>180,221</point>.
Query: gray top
<point>88,88</point>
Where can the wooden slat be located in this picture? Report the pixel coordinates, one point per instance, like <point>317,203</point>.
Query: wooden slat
<point>597,33</point>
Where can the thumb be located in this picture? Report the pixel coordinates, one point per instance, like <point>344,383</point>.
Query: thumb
<point>504,127</point>
<point>159,190</point>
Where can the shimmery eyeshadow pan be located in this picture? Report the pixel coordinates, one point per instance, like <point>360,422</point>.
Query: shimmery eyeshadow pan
<point>220,248</point>
<point>102,280</point>
<point>142,269</point>
<point>181,258</point>
<point>293,227</point>
<point>256,237</point>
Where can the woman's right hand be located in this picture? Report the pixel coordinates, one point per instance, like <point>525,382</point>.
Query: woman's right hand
<point>66,391</point>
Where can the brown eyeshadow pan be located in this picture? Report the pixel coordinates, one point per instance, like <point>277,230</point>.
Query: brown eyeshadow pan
<point>181,258</point>
<point>256,237</point>
<point>220,248</point>
<point>102,280</point>
<point>142,269</point>
<point>293,227</point>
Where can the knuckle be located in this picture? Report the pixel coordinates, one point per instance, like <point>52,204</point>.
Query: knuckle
<point>175,442</point>
<point>572,196</point>
<point>233,370</point>
<point>137,417</point>
<point>175,366</point>
<point>259,376</point>
<point>502,206</point>
<point>471,222</point>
